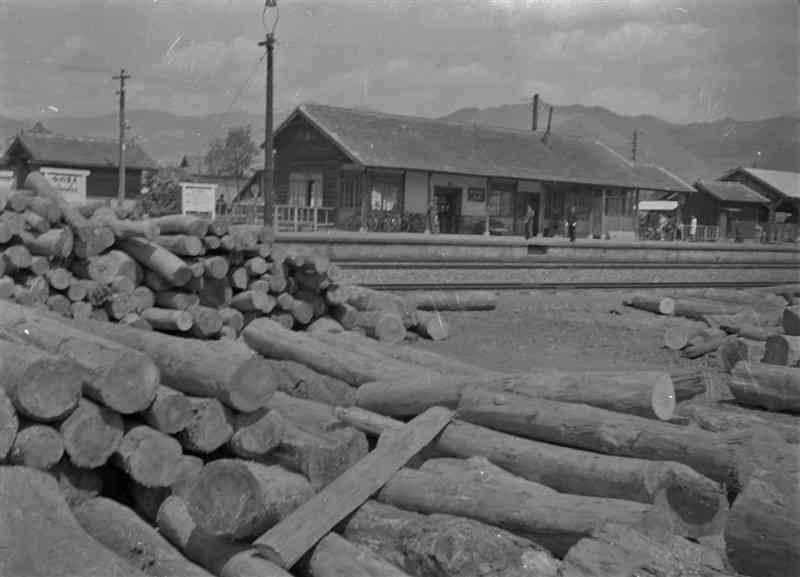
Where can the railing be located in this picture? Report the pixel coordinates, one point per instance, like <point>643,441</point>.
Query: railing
<point>703,233</point>
<point>300,218</point>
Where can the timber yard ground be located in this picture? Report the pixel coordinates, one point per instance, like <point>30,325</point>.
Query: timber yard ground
<point>571,330</point>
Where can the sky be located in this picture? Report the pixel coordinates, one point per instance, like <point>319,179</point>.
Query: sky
<point>681,60</point>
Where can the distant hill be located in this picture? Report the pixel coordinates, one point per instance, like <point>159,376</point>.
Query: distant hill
<point>698,150</point>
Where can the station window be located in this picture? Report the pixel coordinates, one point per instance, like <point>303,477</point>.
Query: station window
<point>350,191</point>
<point>387,193</point>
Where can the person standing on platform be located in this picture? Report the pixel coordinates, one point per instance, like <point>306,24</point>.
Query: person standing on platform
<point>571,223</point>
<point>530,217</point>
<point>693,228</point>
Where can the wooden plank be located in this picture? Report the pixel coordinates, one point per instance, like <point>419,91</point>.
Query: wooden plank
<point>289,540</point>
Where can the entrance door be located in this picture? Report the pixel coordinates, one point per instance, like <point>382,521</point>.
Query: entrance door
<point>534,201</point>
<point>448,205</point>
<point>597,214</point>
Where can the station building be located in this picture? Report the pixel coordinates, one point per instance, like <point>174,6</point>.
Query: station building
<point>357,166</point>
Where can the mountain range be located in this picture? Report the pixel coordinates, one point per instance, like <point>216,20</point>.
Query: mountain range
<point>692,151</point>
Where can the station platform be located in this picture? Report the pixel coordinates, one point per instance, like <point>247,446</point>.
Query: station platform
<point>406,260</point>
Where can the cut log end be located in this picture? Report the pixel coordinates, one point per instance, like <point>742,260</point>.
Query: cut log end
<point>663,398</point>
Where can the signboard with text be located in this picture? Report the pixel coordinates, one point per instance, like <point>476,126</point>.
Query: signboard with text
<point>69,182</point>
<point>199,199</point>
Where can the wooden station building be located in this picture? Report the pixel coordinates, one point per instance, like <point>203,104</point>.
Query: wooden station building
<point>81,168</point>
<point>353,166</point>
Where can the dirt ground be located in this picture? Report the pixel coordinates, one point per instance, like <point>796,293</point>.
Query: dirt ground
<point>567,330</point>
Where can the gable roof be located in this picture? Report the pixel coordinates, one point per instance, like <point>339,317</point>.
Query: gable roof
<point>731,191</point>
<point>47,148</point>
<point>783,182</point>
<point>381,140</point>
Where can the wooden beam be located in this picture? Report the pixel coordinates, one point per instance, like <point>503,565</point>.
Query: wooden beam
<point>291,538</point>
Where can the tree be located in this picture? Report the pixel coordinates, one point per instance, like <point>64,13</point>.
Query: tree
<point>164,192</point>
<point>233,155</point>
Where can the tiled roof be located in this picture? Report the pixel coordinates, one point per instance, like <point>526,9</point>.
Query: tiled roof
<point>731,191</point>
<point>784,182</point>
<point>78,152</point>
<point>389,141</point>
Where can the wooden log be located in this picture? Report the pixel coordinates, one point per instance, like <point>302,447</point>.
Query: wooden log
<point>782,350</point>
<point>299,381</point>
<point>41,537</point>
<point>133,320</point>
<point>302,311</point>
<point>454,300</point>
<point>9,424</point>
<point>78,290</point>
<point>37,446</point>
<point>662,306</point>
<point>728,417</point>
<point>594,429</point>
<point>77,484</point>
<point>119,305</point>
<point>326,325</point>
<point>92,239</point>
<point>705,347</point>
<point>16,257</point>
<point>176,300</point>
<point>319,307</point>
<point>170,413</point>
<point>384,327</point>
<point>41,386</point>
<point>164,263</point>
<point>239,278</point>
<point>431,325</point>
<point>256,433</point>
<point>39,265</point>
<point>91,434</point>
<point>647,394</point>
<point>19,199</point>
<point>148,456</point>
<point>35,222</point>
<point>698,308</point>
<point>207,322</point>
<point>59,278</point>
<point>120,378</point>
<point>345,315</point>
<point>228,371</point>
<point>127,535</point>
<point>615,549</point>
<point>221,557</point>
<point>790,321</point>
<point>256,266</point>
<point>156,283</point>
<point>55,243</point>
<point>291,538</point>
<point>277,283</point>
<point>144,298</point>
<point>181,244</point>
<point>215,267</point>
<point>211,242</point>
<point>45,207</point>
<point>240,499</point>
<point>335,556</point>
<point>566,470</point>
<point>270,339</point>
<point>678,337</point>
<point>7,285</point>
<point>284,319</point>
<point>99,315</point>
<point>232,318</point>
<point>763,529</point>
<point>104,268</point>
<point>249,300</point>
<point>182,224</point>
<point>147,500</point>
<point>445,545</point>
<point>731,352</point>
<point>752,332</point>
<point>216,293</point>
<point>772,387</point>
<point>530,510</point>
<point>745,317</point>
<point>123,229</point>
<point>81,310</point>
<point>210,427</point>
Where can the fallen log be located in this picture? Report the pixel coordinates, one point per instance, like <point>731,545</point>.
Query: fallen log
<point>221,557</point>
<point>594,429</point>
<point>454,300</point>
<point>431,325</point>
<point>105,267</point>
<point>41,537</point>
<point>60,304</point>
<point>752,332</point>
<point>120,377</point>
<point>122,229</point>
<point>772,387</point>
<point>384,327</point>
<point>257,433</point>
<point>168,266</point>
<point>59,278</point>
<point>698,308</point>
<point>207,322</point>
<point>171,320</point>
<point>791,320</point>
<point>240,499</point>
<point>180,244</point>
<point>182,224</point>
<point>444,545</point>
<point>705,347</point>
<point>532,511</point>
<point>335,556</point>
<point>210,427</point>
<point>662,306</point>
<point>170,412</point>
<point>782,350</point>
<point>225,370</point>
<point>41,386</point>
<point>37,446</point>
<point>724,417</point>
<point>326,325</point>
<point>176,300</point>
<point>648,394</point>
<point>148,456</point>
<point>291,538</point>
<point>147,500</point>
<point>567,470</point>
<point>300,381</point>
<point>731,352</point>
<point>621,551</point>
<point>91,434</point>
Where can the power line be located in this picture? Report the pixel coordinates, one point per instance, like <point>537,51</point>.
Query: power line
<point>238,94</point>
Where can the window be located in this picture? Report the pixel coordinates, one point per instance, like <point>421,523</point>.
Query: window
<point>500,203</point>
<point>350,191</point>
<point>305,189</point>
<point>387,192</point>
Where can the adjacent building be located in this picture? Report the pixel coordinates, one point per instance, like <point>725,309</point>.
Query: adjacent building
<point>82,168</point>
<point>385,170</point>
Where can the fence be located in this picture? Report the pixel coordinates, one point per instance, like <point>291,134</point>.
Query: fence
<point>303,218</point>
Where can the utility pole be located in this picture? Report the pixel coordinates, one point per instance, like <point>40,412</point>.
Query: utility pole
<point>122,78</point>
<point>267,179</point>
<point>634,148</point>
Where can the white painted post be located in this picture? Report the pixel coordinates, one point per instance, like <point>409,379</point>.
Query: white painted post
<point>315,218</point>
<point>296,210</point>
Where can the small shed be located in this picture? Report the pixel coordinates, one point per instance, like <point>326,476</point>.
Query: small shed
<point>82,168</point>
<point>739,211</point>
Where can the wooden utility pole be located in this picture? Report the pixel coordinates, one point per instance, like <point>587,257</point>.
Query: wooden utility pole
<point>267,179</point>
<point>122,78</point>
<point>635,147</point>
